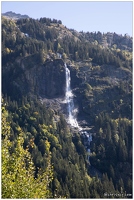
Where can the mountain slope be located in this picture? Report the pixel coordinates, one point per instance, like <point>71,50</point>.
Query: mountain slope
<point>34,53</point>
<point>13,15</point>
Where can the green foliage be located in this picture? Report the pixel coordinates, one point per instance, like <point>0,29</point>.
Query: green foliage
<point>18,171</point>
<point>112,146</point>
<point>38,136</point>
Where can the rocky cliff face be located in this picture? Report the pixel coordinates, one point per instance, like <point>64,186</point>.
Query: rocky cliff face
<point>95,88</point>
<point>30,77</point>
<point>53,80</point>
<point>99,89</point>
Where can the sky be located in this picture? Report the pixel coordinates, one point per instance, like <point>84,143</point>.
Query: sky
<point>103,16</point>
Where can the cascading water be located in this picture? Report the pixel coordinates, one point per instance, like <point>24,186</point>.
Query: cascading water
<point>87,140</point>
<point>72,120</point>
<point>72,112</point>
<point>69,99</point>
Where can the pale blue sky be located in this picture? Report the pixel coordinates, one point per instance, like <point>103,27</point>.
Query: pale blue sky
<point>103,16</point>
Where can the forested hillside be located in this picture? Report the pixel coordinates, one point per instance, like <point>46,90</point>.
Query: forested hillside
<point>42,155</point>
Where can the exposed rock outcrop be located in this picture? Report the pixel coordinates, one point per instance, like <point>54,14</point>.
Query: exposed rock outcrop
<point>45,80</point>
<point>53,79</point>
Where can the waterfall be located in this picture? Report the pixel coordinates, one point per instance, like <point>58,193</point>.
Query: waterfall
<point>72,112</point>
<point>69,100</point>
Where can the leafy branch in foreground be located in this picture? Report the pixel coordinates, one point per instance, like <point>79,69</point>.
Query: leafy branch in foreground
<point>18,171</point>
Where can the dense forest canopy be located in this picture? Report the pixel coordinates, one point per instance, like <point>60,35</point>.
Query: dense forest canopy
<point>42,156</point>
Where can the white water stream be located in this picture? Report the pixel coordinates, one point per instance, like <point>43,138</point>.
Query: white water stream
<point>69,99</point>
<point>72,120</point>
